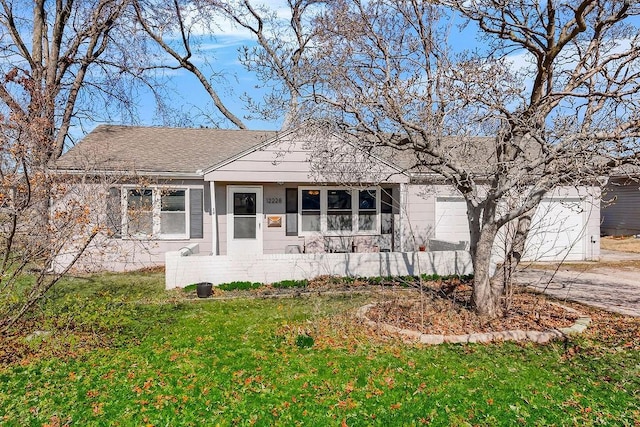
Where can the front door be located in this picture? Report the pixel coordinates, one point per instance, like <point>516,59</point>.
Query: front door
<point>244,220</point>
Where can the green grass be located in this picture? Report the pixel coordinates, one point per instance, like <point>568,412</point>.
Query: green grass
<point>158,359</point>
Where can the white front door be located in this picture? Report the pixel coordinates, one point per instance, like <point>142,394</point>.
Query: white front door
<point>244,220</point>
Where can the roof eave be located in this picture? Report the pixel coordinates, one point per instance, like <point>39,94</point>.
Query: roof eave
<point>160,174</point>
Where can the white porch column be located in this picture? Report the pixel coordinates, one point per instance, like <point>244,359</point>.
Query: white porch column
<point>403,207</point>
<point>214,219</point>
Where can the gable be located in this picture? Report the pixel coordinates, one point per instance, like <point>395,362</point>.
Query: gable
<point>295,158</point>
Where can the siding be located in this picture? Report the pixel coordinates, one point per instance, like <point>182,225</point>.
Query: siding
<point>420,213</point>
<point>621,208</point>
<point>276,240</point>
<point>116,254</point>
<point>305,161</point>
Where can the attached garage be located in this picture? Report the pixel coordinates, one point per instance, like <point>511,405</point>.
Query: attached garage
<point>558,230</point>
<point>452,224</point>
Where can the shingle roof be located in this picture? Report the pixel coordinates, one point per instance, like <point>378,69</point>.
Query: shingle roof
<point>187,150</point>
<point>158,149</point>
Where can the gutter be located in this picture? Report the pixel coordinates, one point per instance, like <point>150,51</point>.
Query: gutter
<point>163,174</point>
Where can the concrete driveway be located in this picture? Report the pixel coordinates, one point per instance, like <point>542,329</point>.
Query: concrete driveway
<point>612,288</point>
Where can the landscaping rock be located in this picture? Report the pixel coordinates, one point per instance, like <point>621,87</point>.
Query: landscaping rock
<point>456,339</point>
<point>431,339</point>
<point>486,337</point>
<point>540,337</point>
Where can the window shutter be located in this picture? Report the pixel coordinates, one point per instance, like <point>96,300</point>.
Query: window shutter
<point>386,211</point>
<point>196,196</point>
<point>291,208</point>
<point>114,213</point>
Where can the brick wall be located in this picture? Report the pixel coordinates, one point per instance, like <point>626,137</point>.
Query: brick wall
<point>187,267</point>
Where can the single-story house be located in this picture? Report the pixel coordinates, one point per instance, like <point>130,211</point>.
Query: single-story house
<point>241,194</point>
<point>621,202</point>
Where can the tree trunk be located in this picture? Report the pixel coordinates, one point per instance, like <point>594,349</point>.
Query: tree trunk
<point>486,293</point>
<point>514,252</point>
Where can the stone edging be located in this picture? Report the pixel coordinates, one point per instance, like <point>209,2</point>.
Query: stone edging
<point>539,337</point>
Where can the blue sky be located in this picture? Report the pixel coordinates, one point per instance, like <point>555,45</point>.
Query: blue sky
<point>193,101</point>
<point>222,51</point>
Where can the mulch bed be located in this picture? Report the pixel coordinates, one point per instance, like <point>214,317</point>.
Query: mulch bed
<point>444,309</point>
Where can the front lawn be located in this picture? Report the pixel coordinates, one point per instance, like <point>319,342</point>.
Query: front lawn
<point>124,352</point>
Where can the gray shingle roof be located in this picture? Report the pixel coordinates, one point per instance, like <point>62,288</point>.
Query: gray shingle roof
<point>186,150</point>
<point>158,149</point>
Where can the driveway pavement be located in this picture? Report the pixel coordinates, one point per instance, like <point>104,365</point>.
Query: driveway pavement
<point>615,289</point>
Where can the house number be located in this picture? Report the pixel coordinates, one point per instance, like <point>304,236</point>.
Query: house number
<point>274,200</point>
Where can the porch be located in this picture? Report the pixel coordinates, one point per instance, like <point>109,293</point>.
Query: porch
<point>187,266</point>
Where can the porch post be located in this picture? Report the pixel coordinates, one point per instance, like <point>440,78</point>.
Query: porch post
<point>403,201</point>
<point>214,219</point>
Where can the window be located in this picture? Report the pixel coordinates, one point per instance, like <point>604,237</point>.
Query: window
<point>174,213</point>
<point>310,210</point>
<point>140,212</point>
<point>338,211</point>
<point>291,209</point>
<point>367,210</point>
<point>386,211</point>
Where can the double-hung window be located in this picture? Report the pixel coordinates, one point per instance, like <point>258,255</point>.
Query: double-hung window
<point>310,210</point>
<point>139,219</point>
<point>338,211</point>
<point>173,213</point>
<point>164,213</point>
<point>367,210</point>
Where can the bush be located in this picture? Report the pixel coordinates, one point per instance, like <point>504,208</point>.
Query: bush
<point>239,286</point>
<point>291,284</point>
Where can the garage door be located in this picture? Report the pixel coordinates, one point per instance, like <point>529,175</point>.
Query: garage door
<point>451,219</point>
<point>557,231</point>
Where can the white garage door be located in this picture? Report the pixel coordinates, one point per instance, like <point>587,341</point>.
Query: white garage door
<point>557,231</point>
<point>451,219</point>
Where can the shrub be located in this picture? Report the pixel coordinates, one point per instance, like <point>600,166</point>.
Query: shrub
<point>291,284</point>
<point>239,286</point>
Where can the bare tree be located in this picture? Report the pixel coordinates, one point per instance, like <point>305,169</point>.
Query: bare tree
<point>503,134</point>
<point>278,59</point>
<point>176,29</point>
<point>63,63</point>
<point>31,241</point>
